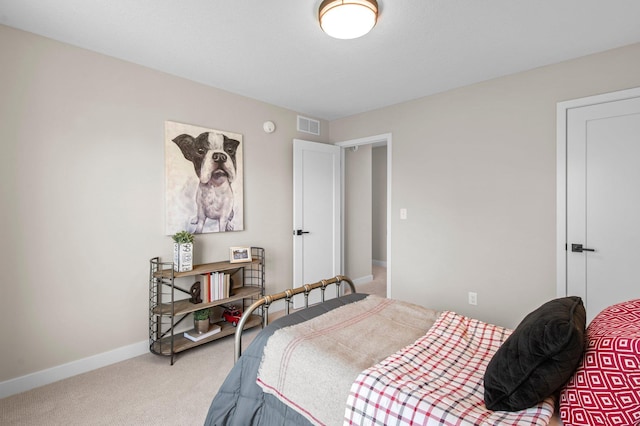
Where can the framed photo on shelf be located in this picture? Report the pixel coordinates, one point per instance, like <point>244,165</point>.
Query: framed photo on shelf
<point>239,254</point>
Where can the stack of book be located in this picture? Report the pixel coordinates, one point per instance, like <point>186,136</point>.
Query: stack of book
<point>194,336</point>
<point>217,285</point>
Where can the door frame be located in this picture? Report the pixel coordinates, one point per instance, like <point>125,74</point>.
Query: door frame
<point>375,140</point>
<point>561,174</point>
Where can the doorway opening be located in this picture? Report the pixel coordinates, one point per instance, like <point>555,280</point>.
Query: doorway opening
<point>381,266</point>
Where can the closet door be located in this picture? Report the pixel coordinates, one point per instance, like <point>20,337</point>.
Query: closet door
<point>602,201</point>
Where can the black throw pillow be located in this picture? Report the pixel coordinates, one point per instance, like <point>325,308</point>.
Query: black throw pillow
<point>538,358</point>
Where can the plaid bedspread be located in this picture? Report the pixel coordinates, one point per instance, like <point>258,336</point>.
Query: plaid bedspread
<point>310,366</point>
<point>437,380</point>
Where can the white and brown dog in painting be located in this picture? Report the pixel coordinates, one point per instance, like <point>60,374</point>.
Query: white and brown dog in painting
<point>213,156</point>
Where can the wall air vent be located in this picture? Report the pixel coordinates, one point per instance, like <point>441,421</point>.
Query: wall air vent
<point>308,125</point>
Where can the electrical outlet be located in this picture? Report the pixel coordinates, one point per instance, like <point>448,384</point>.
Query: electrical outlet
<point>473,298</point>
<point>403,214</point>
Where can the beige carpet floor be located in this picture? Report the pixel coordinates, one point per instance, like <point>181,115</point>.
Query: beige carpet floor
<point>145,390</point>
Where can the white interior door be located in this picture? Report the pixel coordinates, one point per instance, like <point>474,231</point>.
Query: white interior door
<point>603,202</point>
<point>316,214</point>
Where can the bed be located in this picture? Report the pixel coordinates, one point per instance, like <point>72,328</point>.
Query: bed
<point>360,359</point>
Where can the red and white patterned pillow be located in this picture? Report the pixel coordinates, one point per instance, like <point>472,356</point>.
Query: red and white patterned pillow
<point>605,389</point>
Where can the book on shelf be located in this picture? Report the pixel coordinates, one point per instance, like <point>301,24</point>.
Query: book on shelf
<point>218,286</point>
<point>206,285</point>
<point>194,336</point>
<point>214,285</point>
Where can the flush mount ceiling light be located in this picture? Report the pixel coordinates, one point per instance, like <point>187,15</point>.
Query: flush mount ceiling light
<point>346,19</point>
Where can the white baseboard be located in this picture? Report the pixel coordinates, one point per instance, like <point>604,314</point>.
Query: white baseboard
<point>362,280</point>
<point>380,263</point>
<point>64,371</point>
<point>50,375</point>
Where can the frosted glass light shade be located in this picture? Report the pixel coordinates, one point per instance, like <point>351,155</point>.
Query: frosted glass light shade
<point>346,19</point>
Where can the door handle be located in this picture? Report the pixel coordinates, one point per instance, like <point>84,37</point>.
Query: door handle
<point>299,232</point>
<point>577,248</point>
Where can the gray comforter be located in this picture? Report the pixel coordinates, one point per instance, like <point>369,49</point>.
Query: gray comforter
<point>240,401</point>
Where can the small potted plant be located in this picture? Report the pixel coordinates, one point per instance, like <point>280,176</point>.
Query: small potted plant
<point>183,251</point>
<point>201,320</point>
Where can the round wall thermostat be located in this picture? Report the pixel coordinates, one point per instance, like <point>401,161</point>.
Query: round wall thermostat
<point>269,126</point>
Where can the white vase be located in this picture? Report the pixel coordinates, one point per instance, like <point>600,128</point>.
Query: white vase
<point>182,257</point>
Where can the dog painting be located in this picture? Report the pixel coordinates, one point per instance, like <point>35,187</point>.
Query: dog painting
<point>204,179</point>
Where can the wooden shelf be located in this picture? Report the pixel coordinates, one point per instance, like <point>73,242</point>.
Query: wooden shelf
<point>205,268</point>
<point>181,343</point>
<point>182,307</point>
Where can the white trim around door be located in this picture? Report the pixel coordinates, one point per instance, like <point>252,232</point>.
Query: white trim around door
<point>561,199</point>
<point>376,140</point>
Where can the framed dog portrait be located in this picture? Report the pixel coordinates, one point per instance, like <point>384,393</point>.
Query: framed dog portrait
<point>203,179</point>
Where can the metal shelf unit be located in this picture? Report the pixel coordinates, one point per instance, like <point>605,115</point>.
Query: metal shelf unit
<point>169,303</point>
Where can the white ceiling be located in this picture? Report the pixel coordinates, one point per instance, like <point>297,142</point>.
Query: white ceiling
<point>274,50</point>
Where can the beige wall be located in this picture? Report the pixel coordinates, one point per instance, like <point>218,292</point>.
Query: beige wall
<point>82,175</point>
<point>379,200</point>
<point>358,214</point>
<point>476,169</point>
